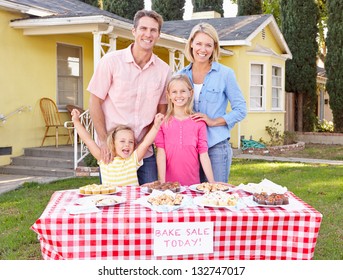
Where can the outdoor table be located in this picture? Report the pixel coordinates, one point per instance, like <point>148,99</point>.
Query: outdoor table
<point>126,231</point>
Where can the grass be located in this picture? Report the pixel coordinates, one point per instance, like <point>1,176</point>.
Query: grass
<point>318,185</point>
<point>317,151</point>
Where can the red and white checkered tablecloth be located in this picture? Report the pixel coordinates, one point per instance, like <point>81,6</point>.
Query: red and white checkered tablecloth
<point>125,231</point>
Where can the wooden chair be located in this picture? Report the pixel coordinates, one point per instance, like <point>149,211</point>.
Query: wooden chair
<point>52,120</point>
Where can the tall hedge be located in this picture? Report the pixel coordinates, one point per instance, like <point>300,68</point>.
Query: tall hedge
<point>169,10</point>
<point>334,61</point>
<point>208,5</point>
<point>125,9</point>
<point>299,27</point>
<point>249,7</point>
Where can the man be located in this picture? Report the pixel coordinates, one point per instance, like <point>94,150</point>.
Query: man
<point>128,88</point>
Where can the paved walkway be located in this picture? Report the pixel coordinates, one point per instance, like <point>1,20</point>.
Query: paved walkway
<point>11,182</point>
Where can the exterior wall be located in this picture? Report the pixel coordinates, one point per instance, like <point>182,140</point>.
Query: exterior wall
<point>27,73</point>
<point>254,124</point>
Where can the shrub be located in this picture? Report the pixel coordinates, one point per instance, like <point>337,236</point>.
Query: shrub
<point>90,161</point>
<point>324,126</point>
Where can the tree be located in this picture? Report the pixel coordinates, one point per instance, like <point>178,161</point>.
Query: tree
<point>272,7</point>
<point>299,27</point>
<point>208,5</point>
<point>95,3</point>
<point>334,62</point>
<point>125,9</point>
<point>169,10</point>
<point>249,7</point>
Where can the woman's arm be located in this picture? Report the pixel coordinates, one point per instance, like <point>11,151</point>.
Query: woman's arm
<point>84,135</point>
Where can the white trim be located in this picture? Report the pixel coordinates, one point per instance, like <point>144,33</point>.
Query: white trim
<point>282,97</point>
<point>235,43</point>
<point>264,93</point>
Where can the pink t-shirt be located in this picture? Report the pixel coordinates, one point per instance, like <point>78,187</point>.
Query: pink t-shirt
<point>182,141</point>
<point>131,94</point>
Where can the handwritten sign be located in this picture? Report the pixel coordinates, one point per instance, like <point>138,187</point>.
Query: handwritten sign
<point>183,238</point>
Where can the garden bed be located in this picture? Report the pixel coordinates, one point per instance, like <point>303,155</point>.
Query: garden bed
<point>275,150</point>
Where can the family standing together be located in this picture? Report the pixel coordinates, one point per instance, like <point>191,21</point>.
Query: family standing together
<point>151,125</point>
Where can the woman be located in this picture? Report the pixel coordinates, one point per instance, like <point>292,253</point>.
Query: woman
<point>215,86</point>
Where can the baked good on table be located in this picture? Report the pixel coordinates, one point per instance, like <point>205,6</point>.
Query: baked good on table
<point>212,187</point>
<point>157,185</point>
<point>166,199</point>
<point>97,189</point>
<point>220,198</point>
<point>271,199</point>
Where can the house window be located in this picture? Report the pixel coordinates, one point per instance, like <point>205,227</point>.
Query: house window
<point>257,87</point>
<point>69,76</point>
<point>276,87</point>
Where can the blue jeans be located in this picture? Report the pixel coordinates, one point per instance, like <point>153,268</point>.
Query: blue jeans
<point>221,159</point>
<point>148,171</point>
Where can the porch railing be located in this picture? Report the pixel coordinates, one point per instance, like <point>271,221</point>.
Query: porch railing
<point>80,148</point>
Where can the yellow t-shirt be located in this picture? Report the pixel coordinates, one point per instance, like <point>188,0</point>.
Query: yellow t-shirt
<point>121,172</point>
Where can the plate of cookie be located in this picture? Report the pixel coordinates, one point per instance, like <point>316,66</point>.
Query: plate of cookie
<point>174,187</point>
<point>165,201</point>
<point>211,187</point>
<point>101,200</point>
<point>95,189</point>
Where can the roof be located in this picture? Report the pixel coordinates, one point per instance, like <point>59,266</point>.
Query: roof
<point>234,28</point>
<point>234,31</point>
<point>60,8</point>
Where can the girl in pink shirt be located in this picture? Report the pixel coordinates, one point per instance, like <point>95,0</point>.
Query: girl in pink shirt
<point>181,142</point>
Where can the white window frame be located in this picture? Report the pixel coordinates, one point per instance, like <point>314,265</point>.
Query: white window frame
<point>279,88</point>
<point>261,86</point>
<point>76,96</point>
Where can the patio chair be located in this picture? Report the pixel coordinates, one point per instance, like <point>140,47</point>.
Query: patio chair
<point>52,120</point>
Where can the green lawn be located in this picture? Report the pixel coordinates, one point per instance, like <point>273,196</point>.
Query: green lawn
<point>319,185</point>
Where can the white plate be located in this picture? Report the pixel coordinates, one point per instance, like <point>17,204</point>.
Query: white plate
<point>199,201</point>
<point>264,186</point>
<point>118,190</point>
<point>194,188</point>
<point>187,202</point>
<point>101,200</point>
<point>145,190</point>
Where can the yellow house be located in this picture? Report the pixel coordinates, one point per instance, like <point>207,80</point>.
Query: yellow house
<point>50,49</point>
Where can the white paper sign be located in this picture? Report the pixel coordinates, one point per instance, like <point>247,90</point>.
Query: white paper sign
<point>183,238</point>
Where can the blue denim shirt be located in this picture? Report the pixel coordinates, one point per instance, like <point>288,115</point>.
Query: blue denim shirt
<point>220,87</point>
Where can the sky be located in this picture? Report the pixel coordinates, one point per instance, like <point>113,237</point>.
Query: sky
<point>230,10</point>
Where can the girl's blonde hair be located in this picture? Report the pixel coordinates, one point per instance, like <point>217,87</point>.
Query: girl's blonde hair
<point>112,136</point>
<point>189,106</point>
<point>210,31</point>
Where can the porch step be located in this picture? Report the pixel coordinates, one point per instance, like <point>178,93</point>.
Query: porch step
<point>37,171</point>
<point>43,161</point>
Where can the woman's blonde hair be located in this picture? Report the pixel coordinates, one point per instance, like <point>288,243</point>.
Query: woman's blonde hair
<point>112,136</point>
<point>189,106</point>
<point>209,30</point>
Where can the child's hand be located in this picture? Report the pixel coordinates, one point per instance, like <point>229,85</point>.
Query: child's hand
<point>158,120</point>
<point>75,114</point>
